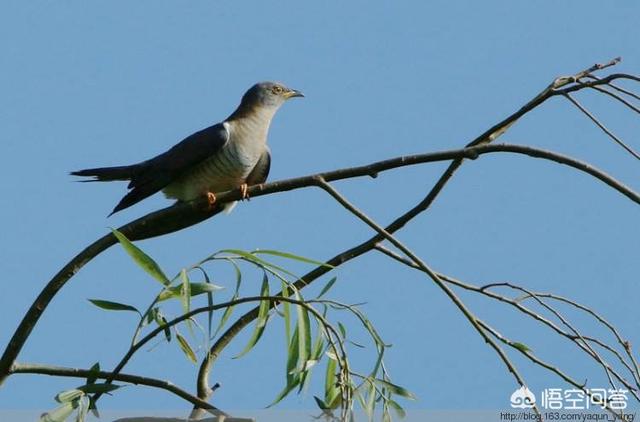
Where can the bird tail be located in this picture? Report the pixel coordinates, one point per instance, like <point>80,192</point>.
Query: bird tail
<point>107,174</point>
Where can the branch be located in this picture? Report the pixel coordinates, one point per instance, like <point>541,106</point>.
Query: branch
<point>473,320</point>
<point>202,404</point>
<point>366,246</point>
<point>183,215</point>
<point>597,122</point>
<point>488,136</point>
<point>41,369</point>
<point>516,303</point>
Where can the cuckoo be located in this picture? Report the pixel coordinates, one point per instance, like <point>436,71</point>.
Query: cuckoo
<point>229,155</point>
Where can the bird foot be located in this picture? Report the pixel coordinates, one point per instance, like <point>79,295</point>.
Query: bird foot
<point>243,191</point>
<point>211,197</point>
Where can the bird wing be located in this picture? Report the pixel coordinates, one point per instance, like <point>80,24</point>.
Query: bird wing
<point>261,170</point>
<point>155,174</point>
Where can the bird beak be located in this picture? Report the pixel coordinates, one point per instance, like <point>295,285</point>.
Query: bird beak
<point>293,93</point>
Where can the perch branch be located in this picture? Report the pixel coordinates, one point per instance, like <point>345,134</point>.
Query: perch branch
<point>488,136</point>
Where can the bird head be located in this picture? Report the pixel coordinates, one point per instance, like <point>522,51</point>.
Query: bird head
<point>269,94</point>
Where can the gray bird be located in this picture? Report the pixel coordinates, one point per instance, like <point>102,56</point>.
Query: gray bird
<point>228,155</point>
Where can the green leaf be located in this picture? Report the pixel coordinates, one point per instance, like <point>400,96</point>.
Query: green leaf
<point>185,291</point>
<point>59,414</point>
<point>396,389</point>
<point>143,260</point>
<point>293,379</point>
<point>321,404</point>
<point>69,396</point>
<point>397,408</point>
<point>93,407</point>
<point>521,346</point>
<point>286,310</point>
<point>162,322</point>
<point>291,256</point>
<point>225,316</point>
<point>335,399</point>
<point>257,260</point>
<point>114,306</point>
<point>209,302</point>
<point>185,296</point>
<point>196,290</point>
<point>386,417</point>
<point>229,310</point>
<point>304,333</point>
<point>327,286</point>
<point>93,373</point>
<point>186,348</point>
<point>330,380</point>
<point>331,355</point>
<point>358,395</point>
<point>318,347</point>
<point>100,388</point>
<point>343,330</point>
<point>287,389</point>
<point>371,395</point>
<point>314,358</point>
<point>83,408</point>
<point>261,321</point>
<point>292,354</point>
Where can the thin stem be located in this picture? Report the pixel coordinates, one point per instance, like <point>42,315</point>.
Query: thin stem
<point>574,338</point>
<point>597,122</point>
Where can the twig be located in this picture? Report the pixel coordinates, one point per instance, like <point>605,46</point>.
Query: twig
<point>597,122</point>
<point>617,87</point>
<point>540,362</point>
<point>617,97</point>
<point>432,274</point>
<point>484,290</point>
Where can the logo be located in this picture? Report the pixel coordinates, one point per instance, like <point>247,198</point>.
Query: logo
<point>523,398</point>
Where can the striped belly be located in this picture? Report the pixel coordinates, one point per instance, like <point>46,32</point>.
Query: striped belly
<point>224,171</point>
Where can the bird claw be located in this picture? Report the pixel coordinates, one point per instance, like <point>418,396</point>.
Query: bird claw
<point>211,197</point>
<point>243,191</point>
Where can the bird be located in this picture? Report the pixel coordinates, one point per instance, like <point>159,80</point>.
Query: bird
<point>228,155</point>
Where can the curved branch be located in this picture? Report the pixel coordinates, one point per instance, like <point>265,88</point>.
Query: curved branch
<point>366,246</point>
<point>59,371</point>
<point>338,350</point>
<point>184,215</point>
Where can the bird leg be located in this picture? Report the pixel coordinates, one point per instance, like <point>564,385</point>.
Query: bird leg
<point>211,197</point>
<point>243,191</point>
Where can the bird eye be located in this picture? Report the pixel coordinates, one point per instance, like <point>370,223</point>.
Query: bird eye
<point>277,89</point>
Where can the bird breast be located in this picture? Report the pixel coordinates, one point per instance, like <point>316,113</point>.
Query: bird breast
<point>223,171</point>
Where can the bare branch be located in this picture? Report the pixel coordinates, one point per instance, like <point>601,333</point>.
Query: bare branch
<point>533,358</point>
<point>475,323</point>
<point>597,122</point>
<point>617,88</point>
<point>576,337</point>
<point>617,97</point>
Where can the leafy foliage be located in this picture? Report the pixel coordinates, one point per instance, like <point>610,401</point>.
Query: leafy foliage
<point>313,337</point>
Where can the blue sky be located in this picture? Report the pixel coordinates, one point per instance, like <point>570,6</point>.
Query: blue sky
<point>111,83</point>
